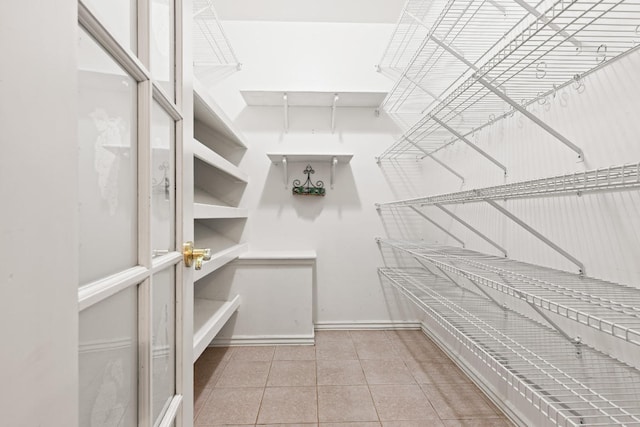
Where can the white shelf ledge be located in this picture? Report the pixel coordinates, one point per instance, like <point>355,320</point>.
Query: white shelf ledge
<point>278,258</point>
<point>206,211</point>
<point>211,114</point>
<point>212,158</point>
<point>284,158</point>
<point>312,98</point>
<point>209,316</point>
<point>219,259</point>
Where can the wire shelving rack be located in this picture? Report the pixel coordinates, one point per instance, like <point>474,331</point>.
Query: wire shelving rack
<point>607,307</point>
<point>563,44</point>
<point>567,387</point>
<point>210,43</point>
<point>622,177</point>
<point>430,38</point>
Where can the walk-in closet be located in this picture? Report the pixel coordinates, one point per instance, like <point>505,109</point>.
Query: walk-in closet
<point>364,213</point>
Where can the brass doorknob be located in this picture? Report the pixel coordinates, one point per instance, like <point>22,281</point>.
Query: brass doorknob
<point>192,255</point>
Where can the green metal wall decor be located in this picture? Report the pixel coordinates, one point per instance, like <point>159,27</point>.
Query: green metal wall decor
<point>308,188</point>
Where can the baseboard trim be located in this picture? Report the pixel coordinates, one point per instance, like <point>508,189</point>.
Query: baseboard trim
<point>363,325</point>
<point>263,340</point>
<point>473,376</point>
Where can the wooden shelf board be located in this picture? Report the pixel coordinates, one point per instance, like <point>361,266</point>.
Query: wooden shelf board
<point>209,316</point>
<point>215,160</point>
<point>219,259</point>
<point>207,111</point>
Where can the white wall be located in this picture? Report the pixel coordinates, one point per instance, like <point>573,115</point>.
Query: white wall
<point>341,226</point>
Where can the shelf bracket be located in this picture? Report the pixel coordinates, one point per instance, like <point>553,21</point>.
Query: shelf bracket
<point>285,99</point>
<point>530,116</point>
<point>441,228</point>
<point>333,113</point>
<point>567,255</point>
<point>455,283</point>
<point>466,224</point>
<point>462,138</point>
<point>334,162</point>
<point>443,45</point>
<point>434,158</point>
<point>285,171</point>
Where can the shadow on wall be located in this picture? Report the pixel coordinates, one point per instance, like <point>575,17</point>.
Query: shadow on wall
<point>344,196</point>
<point>349,120</point>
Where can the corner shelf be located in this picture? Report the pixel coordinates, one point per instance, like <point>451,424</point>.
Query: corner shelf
<point>283,159</point>
<point>209,316</point>
<point>214,211</point>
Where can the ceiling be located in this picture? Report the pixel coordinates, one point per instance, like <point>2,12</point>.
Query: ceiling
<point>341,11</point>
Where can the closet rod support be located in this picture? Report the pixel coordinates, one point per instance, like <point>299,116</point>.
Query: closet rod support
<point>285,99</point>
<point>512,217</point>
<point>530,116</point>
<point>333,112</point>
<point>441,228</point>
<point>285,171</point>
<point>334,162</point>
<point>462,138</point>
<point>470,227</point>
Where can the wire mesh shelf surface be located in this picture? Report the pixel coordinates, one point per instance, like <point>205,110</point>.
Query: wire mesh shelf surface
<point>210,43</point>
<point>569,385</point>
<point>605,179</point>
<point>431,37</point>
<point>567,41</point>
<point>608,307</point>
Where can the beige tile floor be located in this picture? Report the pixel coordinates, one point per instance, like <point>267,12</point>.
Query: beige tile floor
<point>348,379</point>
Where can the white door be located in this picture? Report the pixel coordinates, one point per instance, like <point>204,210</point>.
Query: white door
<point>92,165</point>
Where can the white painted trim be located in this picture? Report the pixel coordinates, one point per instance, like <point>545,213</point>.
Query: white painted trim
<point>99,290</point>
<point>161,97</point>
<point>105,345</point>
<point>248,340</point>
<point>127,59</point>
<point>164,261</point>
<point>277,258</point>
<point>171,412</point>
<point>474,376</point>
<point>367,325</point>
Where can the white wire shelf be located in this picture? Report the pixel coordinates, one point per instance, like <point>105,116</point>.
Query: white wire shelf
<point>568,387</point>
<point>210,43</point>
<point>567,41</point>
<point>429,36</point>
<point>608,307</point>
<point>605,179</point>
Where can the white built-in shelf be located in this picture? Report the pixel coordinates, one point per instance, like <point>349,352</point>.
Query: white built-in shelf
<point>209,316</point>
<point>219,258</point>
<point>280,255</point>
<point>276,158</point>
<point>284,158</point>
<point>313,98</point>
<point>207,111</point>
<point>212,158</point>
<point>207,211</point>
